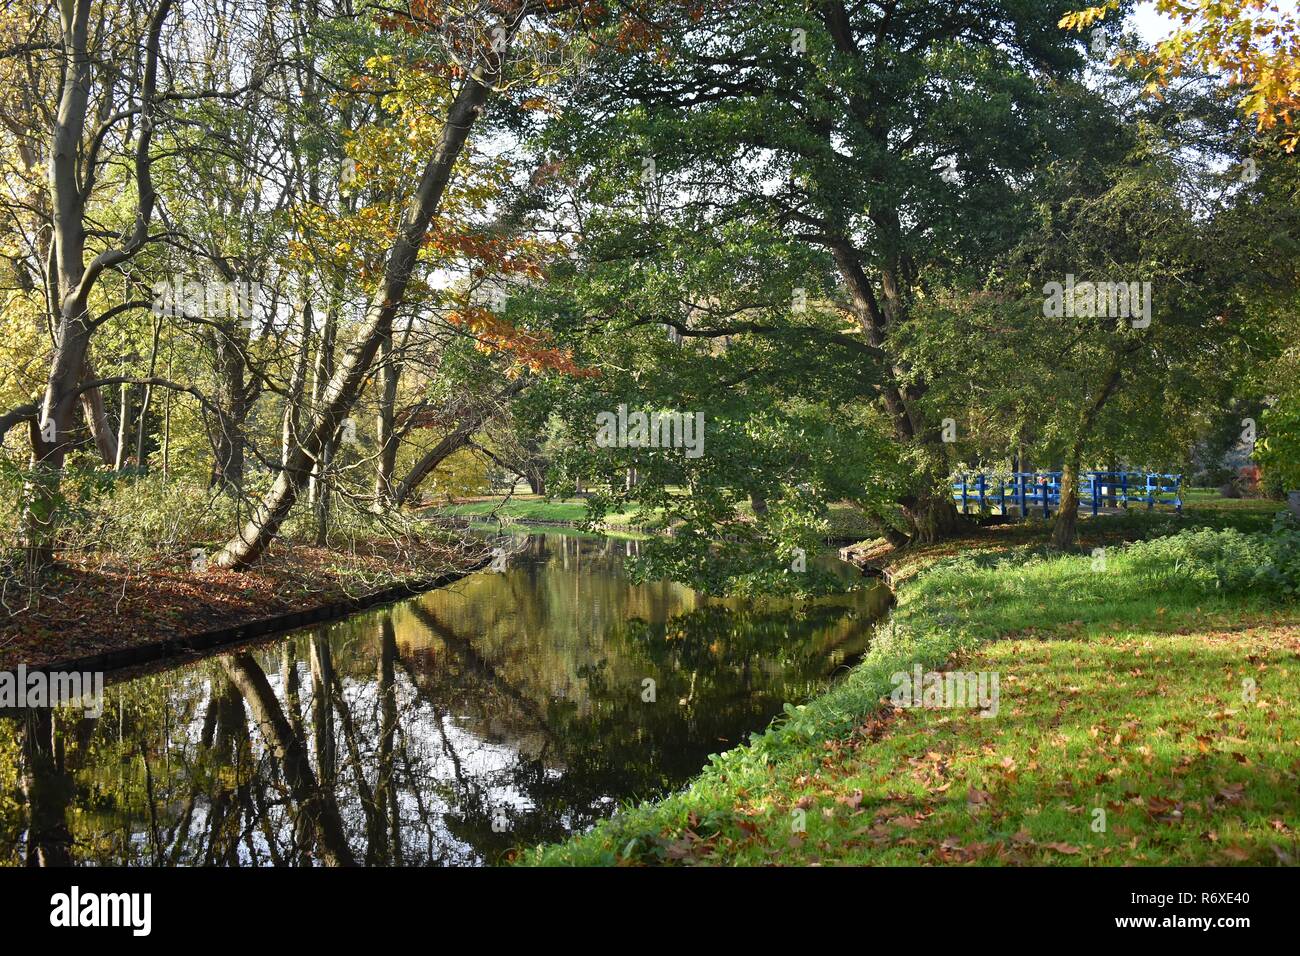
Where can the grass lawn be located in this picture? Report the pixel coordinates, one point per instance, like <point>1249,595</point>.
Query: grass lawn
<point>1209,498</point>
<point>531,508</point>
<point>1127,731</point>
<point>846,520</point>
<point>528,508</point>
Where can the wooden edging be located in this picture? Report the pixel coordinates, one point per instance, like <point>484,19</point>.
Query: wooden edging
<point>155,651</point>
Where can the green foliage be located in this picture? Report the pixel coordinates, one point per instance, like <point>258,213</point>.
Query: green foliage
<point>1278,450</point>
<point>1228,561</point>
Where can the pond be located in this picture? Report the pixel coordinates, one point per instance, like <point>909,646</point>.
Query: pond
<point>509,709</point>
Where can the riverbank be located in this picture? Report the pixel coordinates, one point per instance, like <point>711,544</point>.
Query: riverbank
<point>97,612</point>
<point>1147,713</point>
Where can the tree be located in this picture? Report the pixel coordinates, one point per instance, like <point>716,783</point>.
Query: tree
<point>477,50</point>
<point>76,161</point>
<point>1254,43</point>
<point>898,153</point>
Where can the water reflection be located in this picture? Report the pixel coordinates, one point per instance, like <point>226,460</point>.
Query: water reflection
<point>511,709</point>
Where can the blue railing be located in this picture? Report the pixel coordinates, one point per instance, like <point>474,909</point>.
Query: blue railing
<point>1039,492</point>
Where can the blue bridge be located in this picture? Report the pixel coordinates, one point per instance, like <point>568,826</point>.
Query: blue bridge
<point>1038,493</point>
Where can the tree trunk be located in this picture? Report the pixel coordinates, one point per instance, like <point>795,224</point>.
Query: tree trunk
<point>387,462</point>
<point>931,516</point>
<point>292,420</point>
<point>232,400</point>
<point>70,275</point>
<point>101,430</point>
<point>928,507</point>
<point>321,506</point>
<point>123,425</point>
<point>140,456</point>
<point>1065,526</point>
<point>457,439</point>
<point>322,374</point>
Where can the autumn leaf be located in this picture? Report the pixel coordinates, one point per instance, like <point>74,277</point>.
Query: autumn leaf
<point>1066,848</point>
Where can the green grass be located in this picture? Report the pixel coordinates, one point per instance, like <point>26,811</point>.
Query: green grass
<point>1121,690</point>
<point>529,509</point>
<point>1195,499</point>
<point>846,520</point>
<point>523,527</point>
<point>523,509</point>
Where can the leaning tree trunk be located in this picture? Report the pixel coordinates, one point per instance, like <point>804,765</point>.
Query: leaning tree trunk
<point>460,437</point>
<point>313,800</point>
<point>96,415</point>
<point>927,507</point>
<point>340,395</point>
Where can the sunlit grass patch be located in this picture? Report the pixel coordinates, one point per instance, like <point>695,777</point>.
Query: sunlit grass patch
<point>1142,746</point>
<point>528,509</point>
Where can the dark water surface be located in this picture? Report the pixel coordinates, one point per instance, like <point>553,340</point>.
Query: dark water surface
<point>508,709</point>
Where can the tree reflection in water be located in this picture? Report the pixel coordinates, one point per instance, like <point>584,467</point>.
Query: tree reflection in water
<point>448,729</point>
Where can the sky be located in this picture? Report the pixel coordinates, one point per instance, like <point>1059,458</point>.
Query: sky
<point>1153,26</point>
<point>1150,24</point>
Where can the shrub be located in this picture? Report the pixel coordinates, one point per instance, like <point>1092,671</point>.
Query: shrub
<point>1230,561</point>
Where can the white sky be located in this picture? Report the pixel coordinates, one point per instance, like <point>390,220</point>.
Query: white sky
<point>1153,26</point>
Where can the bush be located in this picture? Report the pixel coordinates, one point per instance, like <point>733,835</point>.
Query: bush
<point>139,516</point>
<point>1229,561</point>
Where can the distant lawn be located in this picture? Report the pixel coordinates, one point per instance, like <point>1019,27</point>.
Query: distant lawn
<point>846,520</point>
<point>1210,499</point>
<point>529,508</point>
